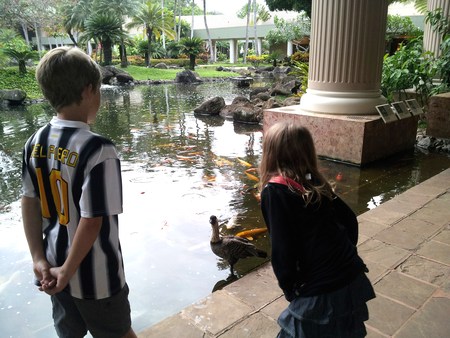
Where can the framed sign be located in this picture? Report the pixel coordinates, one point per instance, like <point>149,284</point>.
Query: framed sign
<point>386,113</point>
<point>414,107</point>
<point>401,110</point>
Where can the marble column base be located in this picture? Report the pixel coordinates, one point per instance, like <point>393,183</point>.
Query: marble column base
<point>342,103</point>
<point>354,139</point>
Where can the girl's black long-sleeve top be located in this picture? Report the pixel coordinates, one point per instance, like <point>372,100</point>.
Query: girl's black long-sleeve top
<point>313,246</point>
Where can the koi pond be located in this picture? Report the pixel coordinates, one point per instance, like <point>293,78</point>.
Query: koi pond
<point>177,170</point>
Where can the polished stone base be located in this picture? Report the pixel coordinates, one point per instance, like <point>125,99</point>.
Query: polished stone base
<point>438,116</point>
<point>355,139</point>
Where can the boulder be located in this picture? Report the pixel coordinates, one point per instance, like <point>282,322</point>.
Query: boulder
<point>285,88</point>
<point>282,70</point>
<point>124,78</point>
<point>248,114</point>
<point>262,96</point>
<point>211,107</point>
<point>258,90</point>
<point>14,97</point>
<point>240,100</point>
<point>161,65</point>
<point>110,74</point>
<point>107,75</point>
<point>187,76</point>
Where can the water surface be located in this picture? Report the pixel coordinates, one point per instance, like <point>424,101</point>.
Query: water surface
<point>177,171</point>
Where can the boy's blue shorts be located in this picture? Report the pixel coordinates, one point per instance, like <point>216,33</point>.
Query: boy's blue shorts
<point>103,318</point>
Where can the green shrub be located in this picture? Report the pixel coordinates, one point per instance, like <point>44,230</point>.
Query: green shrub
<point>300,56</point>
<point>256,60</point>
<point>10,78</point>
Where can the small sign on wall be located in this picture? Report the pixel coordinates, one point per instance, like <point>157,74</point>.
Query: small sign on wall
<point>386,113</point>
<point>401,110</point>
<point>414,107</point>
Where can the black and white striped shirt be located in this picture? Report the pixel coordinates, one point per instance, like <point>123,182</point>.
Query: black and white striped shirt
<point>76,173</point>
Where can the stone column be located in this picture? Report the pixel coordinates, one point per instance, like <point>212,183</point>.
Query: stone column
<point>233,51</point>
<point>346,57</point>
<point>214,50</point>
<point>290,48</point>
<point>431,39</point>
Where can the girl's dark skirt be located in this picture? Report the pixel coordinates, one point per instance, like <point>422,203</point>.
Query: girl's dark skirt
<point>338,314</point>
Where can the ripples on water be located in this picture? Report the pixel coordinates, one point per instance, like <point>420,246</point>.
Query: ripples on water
<point>177,171</point>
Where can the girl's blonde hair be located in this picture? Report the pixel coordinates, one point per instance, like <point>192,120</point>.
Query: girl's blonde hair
<point>288,151</point>
<point>63,73</point>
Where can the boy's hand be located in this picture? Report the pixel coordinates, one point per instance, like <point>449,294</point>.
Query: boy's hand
<point>61,279</point>
<point>44,278</point>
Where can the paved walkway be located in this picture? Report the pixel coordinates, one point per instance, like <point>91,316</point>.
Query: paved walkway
<point>406,244</point>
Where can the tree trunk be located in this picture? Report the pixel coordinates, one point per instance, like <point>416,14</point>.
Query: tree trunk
<point>148,60</point>
<point>246,31</point>
<point>179,25</point>
<point>107,51</point>
<point>192,14</point>
<point>22,67</point>
<point>211,47</point>
<point>175,5</point>
<point>192,62</point>
<point>257,51</point>
<point>69,32</point>
<point>123,55</point>
<point>38,39</point>
<point>25,33</point>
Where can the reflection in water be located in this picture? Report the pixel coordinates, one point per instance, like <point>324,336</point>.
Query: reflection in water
<point>177,171</point>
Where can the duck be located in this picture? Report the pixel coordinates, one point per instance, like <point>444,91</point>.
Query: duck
<point>232,248</point>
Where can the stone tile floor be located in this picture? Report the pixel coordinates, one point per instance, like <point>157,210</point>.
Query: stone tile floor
<point>406,244</point>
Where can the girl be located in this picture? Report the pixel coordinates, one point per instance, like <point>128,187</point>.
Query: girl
<point>313,235</point>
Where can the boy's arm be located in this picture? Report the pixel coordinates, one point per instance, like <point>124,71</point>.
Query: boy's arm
<point>85,236</point>
<point>32,224</point>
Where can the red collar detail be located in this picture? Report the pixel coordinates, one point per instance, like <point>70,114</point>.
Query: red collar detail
<point>287,181</point>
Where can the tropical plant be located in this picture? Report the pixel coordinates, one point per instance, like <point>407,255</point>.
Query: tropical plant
<point>191,47</point>
<point>150,17</point>
<point>409,67</point>
<point>259,14</point>
<point>400,25</point>
<point>290,5</point>
<point>300,70</point>
<point>441,24</point>
<point>173,49</point>
<point>123,9</point>
<point>14,47</point>
<point>289,30</point>
<point>106,30</point>
<point>256,60</point>
<point>73,16</point>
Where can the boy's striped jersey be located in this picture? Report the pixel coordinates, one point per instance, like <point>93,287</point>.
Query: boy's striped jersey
<point>76,173</point>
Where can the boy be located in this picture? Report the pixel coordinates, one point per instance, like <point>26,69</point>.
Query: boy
<point>72,195</point>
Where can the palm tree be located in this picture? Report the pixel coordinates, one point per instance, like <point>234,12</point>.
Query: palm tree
<point>150,17</point>
<point>259,12</point>
<point>74,17</point>
<point>105,29</point>
<point>121,8</point>
<point>246,31</point>
<point>21,56</point>
<point>192,47</point>
<point>211,48</point>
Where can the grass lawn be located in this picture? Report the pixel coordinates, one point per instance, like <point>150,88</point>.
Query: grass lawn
<point>143,73</point>
<point>11,79</point>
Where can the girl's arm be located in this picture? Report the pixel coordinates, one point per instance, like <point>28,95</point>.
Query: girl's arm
<point>280,220</point>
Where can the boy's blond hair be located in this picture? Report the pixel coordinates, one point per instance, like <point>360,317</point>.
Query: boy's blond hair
<point>63,73</point>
